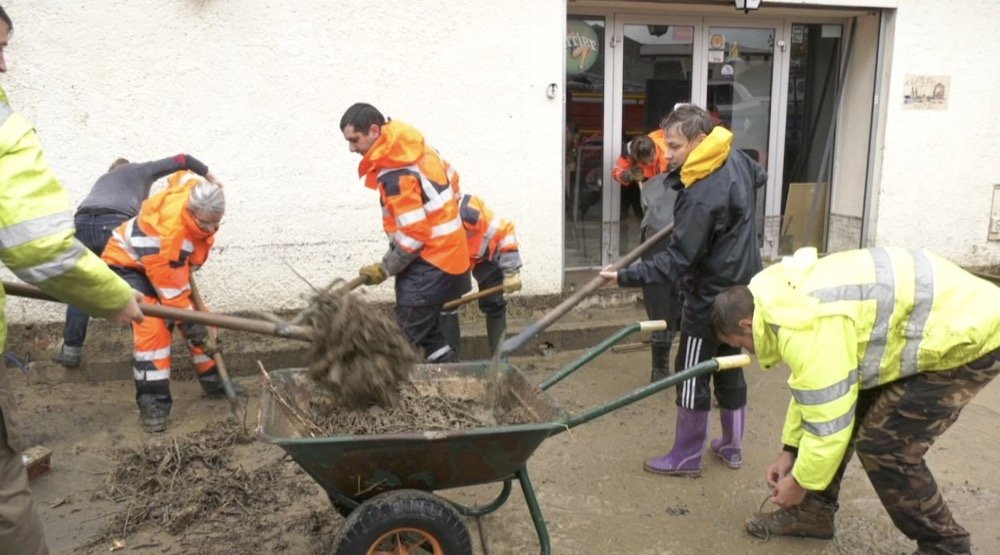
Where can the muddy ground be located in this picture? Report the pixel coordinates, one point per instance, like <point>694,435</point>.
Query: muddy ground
<point>589,480</point>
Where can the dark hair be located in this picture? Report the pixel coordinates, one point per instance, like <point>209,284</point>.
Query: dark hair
<point>361,116</point>
<point>641,148</point>
<point>690,119</point>
<point>728,308</point>
<point>118,163</point>
<point>6,19</point>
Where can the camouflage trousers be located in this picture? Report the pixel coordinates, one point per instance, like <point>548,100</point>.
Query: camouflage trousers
<point>895,425</point>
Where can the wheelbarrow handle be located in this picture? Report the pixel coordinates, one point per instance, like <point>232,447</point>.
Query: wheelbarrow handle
<point>648,325</point>
<point>706,367</point>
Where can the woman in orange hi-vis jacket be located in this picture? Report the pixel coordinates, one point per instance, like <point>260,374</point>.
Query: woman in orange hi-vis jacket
<point>495,260</point>
<point>155,252</point>
<point>644,157</point>
<point>427,252</point>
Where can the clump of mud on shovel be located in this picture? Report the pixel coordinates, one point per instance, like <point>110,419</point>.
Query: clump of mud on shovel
<point>359,353</point>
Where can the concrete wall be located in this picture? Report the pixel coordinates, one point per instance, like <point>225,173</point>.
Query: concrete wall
<point>939,167</point>
<point>256,89</point>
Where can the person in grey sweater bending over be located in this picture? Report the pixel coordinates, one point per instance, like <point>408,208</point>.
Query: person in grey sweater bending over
<point>114,198</point>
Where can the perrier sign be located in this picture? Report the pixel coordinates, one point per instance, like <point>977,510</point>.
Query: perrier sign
<point>582,46</point>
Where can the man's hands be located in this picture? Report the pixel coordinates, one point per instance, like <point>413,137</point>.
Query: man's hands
<point>608,272</point>
<point>131,311</point>
<point>785,491</point>
<point>374,273</point>
<point>511,282</point>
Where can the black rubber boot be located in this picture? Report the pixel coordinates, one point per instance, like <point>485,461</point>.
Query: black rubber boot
<point>154,400</point>
<point>211,384</point>
<point>496,328</point>
<point>451,330</point>
<point>660,361</point>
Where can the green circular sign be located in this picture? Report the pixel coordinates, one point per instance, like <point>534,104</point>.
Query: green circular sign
<point>582,47</point>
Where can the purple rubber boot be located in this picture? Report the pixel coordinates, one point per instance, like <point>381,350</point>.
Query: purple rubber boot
<point>730,447</point>
<point>685,457</point>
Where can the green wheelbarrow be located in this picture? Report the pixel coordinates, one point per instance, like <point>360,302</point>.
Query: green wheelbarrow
<point>385,484</point>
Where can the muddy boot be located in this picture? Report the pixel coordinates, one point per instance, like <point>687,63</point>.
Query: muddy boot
<point>154,400</point>
<point>68,356</point>
<point>496,327</point>
<point>211,384</point>
<point>660,362</point>
<point>813,518</point>
<point>451,329</point>
<point>730,447</point>
<point>689,441</point>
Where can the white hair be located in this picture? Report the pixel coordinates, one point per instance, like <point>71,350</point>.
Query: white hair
<point>207,198</point>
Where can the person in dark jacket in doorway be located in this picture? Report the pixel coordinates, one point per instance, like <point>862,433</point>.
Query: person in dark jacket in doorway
<point>713,247</point>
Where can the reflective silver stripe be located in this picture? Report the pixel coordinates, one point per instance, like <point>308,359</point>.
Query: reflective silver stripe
<point>171,292</point>
<point>406,241</point>
<point>188,246</point>
<point>491,231</point>
<point>411,217</point>
<point>830,427</point>
<point>883,292</point>
<point>55,267</point>
<point>151,355</point>
<point>923,300</point>
<point>5,112</point>
<point>144,242</point>
<point>123,240</point>
<point>200,359</point>
<point>452,226</point>
<point>482,249</point>
<point>438,353</point>
<point>150,375</point>
<point>35,228</point>
<point>508,240</point>
<point>828,393</point>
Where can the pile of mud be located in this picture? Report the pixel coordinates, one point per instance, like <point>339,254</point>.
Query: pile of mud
<point>358,352</point>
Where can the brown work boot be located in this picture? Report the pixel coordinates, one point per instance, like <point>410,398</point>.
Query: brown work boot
<point>811,519</point>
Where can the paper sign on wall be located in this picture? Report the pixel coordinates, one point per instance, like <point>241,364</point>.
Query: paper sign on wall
<point>926,92</point>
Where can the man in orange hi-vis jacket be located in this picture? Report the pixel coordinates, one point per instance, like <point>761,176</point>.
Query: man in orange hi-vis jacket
<point>644,157</point>
<point>428,253</point>
<point>495,261</point>
<point>155,252</point>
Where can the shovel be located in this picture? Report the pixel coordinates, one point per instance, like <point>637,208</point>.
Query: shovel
<point>516,342</point>
<point>235,408</point>
<point>226,321</point>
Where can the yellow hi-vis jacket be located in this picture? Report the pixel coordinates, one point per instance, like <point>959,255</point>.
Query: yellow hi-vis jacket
<point>36,238</point>
<point>859,319</point>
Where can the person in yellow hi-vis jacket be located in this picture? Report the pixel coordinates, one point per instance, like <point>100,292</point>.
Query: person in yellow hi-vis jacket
<point>37,244</point>
<point>885,346</point>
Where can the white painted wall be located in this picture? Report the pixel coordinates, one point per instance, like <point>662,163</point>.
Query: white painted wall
<point>256,89</point>
<point>939,167</point>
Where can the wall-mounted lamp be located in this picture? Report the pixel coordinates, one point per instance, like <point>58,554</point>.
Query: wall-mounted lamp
<point>747,5</point>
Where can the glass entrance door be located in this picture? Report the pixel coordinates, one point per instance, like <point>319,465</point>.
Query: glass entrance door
<point>656,70</point>
<point>623,74</point>
<point>739,64</point>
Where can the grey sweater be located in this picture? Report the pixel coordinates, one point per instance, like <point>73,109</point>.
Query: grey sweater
<point>123,189</point>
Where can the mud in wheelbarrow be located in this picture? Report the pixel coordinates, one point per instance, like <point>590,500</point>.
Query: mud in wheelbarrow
<point>383,483</point>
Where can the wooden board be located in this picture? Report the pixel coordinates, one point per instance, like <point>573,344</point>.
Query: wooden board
<point>796,217</point>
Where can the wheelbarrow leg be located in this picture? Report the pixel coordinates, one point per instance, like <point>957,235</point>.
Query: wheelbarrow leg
<point>535,509</point>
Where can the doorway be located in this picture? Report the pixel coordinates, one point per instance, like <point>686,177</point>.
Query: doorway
<point>625,72</point>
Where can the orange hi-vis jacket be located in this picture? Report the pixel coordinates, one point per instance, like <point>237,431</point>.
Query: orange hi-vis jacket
<point>419,208</point>
<point>658,166</point>
<point>163,242</point>
<point>491,238</point>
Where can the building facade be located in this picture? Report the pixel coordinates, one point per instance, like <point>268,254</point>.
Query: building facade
<point>875,119</point>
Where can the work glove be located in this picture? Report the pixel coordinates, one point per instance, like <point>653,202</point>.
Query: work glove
<point>635,175</point>
<point>374,273</point>
<point>197,336</point>
<point>511,282</point>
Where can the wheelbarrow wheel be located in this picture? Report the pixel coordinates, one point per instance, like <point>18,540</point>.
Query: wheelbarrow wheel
<point>404,521</point>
